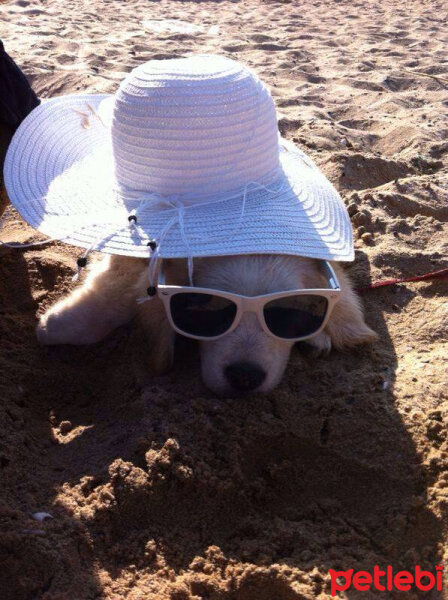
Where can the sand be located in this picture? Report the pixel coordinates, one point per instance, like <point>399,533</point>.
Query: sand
<point>163,491</point>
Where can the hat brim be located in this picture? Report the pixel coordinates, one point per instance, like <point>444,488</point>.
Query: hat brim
<point>59,176</point>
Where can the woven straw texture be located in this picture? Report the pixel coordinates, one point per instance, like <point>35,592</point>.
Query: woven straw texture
<point>191,148</point>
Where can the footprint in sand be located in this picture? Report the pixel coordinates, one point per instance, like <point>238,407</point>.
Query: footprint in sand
<point>363,85</point>
<point>271,47</point>
<point>65,59</point>
<point>357,172</point>
<point>167,56</point>
<point>32,12</point>
<point>286,124</point>
<point>361,124</point>
<point>398,84</point>
<point>259,38</point>
<point>235,47</point>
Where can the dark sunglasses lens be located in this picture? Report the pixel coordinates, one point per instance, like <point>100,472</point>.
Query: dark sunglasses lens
<point>202,314</point>
<point>295,316</point>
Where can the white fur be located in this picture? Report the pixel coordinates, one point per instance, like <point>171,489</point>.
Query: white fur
<point>108,299</point>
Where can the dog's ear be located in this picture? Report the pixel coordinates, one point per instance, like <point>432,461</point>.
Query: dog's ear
<point>155,338</point>
<point>346,326</point>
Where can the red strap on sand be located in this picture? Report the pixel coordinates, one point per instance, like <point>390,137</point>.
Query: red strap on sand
<point>443,273</point>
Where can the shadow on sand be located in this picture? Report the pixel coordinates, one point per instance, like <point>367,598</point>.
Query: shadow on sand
<point>172,485</point>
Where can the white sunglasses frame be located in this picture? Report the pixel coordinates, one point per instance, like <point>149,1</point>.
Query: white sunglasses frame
<point>253,304</point>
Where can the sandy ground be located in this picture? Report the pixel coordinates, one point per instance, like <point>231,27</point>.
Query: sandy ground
<point>167,492</point>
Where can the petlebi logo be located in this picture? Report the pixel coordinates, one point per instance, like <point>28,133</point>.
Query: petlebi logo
<point>386,580</point>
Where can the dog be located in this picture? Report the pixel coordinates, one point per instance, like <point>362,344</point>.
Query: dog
<point>245,360</point>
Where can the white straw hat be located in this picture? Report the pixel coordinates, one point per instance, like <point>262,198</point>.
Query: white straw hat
<point>186,153</point>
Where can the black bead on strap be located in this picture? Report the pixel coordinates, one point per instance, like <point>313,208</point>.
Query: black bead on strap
<point>151,291</point>
<point>81,262</point>
<point>152,244</point>
<point>132,218</point>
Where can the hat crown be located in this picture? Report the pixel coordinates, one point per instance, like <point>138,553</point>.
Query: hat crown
<point>201,125</point>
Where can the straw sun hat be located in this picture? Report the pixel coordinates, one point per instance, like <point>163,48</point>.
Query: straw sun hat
<point>186,158</point>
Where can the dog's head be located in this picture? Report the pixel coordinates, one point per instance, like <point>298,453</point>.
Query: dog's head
<point>248,359</point>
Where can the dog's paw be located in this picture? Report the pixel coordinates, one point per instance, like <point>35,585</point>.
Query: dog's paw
<point>42,333</point>
<point>59,327</point>
<point>51,329</point>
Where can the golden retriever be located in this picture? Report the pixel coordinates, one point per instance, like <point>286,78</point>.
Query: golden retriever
<point>108,299</point>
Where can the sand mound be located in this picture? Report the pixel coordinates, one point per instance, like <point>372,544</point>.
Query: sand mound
<point>164,491</point>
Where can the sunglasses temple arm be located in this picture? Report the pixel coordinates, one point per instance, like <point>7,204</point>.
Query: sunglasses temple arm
<point>332,279</point>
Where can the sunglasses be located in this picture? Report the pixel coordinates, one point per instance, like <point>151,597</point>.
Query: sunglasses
<point>208,314</point>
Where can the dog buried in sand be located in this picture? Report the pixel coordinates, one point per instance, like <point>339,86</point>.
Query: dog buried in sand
<point>213,226</point>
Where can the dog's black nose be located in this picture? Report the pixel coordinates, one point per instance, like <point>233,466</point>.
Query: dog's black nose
<point>244,376</point>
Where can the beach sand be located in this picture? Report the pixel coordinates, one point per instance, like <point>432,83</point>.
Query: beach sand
<point>163,491</point>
